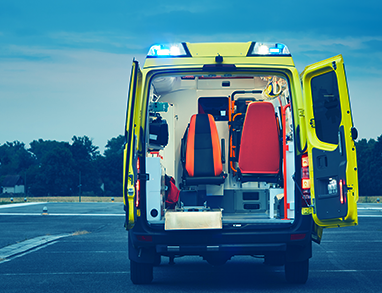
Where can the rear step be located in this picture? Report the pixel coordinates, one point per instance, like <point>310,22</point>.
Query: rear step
<point>196,219</point>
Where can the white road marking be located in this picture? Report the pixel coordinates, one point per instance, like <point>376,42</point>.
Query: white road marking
<point>370,208</point>
<point>338,271</point>
<point>15,205</point>
<point>352,241</point>
<point>128,272</point>
<point>65,273</point>
<point>369,216</point>
<point>27,246</point>
<point>27,252</point>
<point>344,271</point>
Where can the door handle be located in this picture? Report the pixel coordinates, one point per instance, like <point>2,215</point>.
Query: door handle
<point>354,133</point>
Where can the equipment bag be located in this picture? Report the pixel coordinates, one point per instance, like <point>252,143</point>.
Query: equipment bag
<point>172,192</point>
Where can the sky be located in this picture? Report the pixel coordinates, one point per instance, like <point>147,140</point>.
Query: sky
<point>65,65</point>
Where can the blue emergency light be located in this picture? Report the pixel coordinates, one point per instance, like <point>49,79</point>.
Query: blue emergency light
<point>270,49</point>
<point>169,50</point>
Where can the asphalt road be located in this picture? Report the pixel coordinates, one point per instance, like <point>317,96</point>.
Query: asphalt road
<point>82,247</point>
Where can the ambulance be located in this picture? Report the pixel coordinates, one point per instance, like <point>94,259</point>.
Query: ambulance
<point>230,151</point>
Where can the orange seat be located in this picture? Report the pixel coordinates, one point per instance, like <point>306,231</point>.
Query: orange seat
<point>259,155</point>
<point>202,159</point>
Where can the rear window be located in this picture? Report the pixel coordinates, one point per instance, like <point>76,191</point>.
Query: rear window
<point>326,107</point>
<point>216,106</point>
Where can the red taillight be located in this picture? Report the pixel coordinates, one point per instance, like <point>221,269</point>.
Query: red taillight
<point>305,183</point>
<point>297,236</point>
<point>137,187</point>
<point>146,238</point>
<point>305,180</point>
<point>304,161</point>
<point>342,195</point>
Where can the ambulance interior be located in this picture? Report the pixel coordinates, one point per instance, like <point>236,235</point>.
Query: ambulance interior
<point>223,140</point>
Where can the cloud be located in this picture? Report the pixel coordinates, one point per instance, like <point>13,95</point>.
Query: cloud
<point>102,41</point>
<point>12,52</point>
<point>373,45</point>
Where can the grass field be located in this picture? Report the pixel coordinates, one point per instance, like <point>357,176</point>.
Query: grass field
<point>7,200</point>
<point>369,199</point>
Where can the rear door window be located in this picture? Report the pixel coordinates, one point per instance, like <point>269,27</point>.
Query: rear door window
<point>326,107</point>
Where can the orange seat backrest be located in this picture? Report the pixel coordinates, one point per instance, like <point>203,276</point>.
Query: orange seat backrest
<point>260,145</point>
<point>203,154</point>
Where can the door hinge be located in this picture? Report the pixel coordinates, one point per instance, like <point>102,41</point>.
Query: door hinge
<point>312,123</point>
<point>334,65</point>
<point>131,179</point>
<point>306,211</point>
<point>130,191</point>
<point>143,176</point>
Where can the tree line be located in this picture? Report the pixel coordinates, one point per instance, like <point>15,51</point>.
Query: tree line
<point>369,156</point>
<point>62,168</point>
<point>54,168</point>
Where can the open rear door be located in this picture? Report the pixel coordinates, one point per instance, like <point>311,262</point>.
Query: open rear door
<point>331,147</point>
<point>131,145</point>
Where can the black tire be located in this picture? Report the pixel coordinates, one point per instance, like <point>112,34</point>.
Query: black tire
<point>216,262</point>
<point>158,260</point>
<point>217,259</point>
<point>275,259</point>
<point>297,272</point>
<point>141,273</point>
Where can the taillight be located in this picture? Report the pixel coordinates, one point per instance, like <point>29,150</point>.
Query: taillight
<point>342,195</point>
<point>146,238</point>
<point>305,180</point>
<point>297,236</point>
<point>137,186</point>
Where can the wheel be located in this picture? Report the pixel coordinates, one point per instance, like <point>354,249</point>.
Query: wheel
<point>216,259</point>
<point>141,273</point>
<point>274,259</point>
<point>216,262</point>
<point>297,272</point>
<point>158,260</point>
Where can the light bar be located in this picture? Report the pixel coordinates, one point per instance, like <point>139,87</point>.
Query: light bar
<point>169,50</point>
<point>268,49</point>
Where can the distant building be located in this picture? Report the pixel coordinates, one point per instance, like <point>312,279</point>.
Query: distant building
<point>13,184</point>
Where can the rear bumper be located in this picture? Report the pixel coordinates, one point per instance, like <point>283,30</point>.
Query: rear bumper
<point>233,249</point>
<point>294,241</point>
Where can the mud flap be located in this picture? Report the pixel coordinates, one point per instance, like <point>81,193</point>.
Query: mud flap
<point>317,233</point>
<point>141,254</point>
<point>296,253</point>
